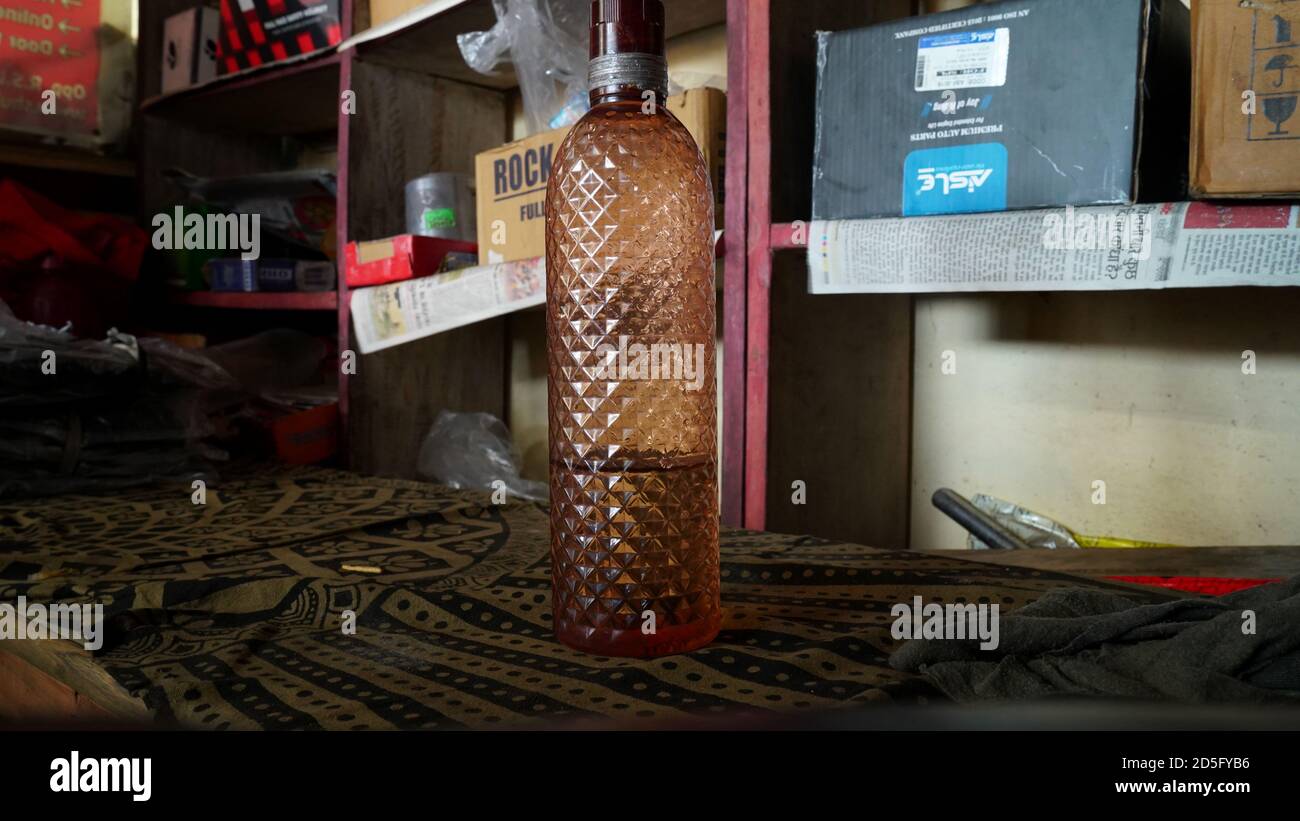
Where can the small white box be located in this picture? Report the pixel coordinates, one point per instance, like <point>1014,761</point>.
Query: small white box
<point>189,55</point>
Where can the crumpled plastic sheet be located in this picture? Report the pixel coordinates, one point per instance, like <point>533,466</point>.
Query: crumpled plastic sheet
<point>1035,529</point>
<point>546,40</point>
<point>474,451</point>
<point>106,414</point>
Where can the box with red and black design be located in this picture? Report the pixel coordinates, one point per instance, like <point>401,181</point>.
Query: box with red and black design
<point>257,32</point>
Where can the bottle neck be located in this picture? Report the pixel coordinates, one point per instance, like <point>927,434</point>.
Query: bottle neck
<point>627,76</point>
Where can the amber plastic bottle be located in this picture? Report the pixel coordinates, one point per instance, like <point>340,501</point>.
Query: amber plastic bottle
<point>630,341</point>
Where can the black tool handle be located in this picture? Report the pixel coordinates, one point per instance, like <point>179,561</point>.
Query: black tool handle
<point>983,526</point>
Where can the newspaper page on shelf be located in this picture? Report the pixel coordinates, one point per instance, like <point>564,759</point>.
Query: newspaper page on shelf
<point>389,315</point>
<point>1163,245</point>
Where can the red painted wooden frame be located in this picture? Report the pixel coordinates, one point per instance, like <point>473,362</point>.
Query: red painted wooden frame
<point>258,300</point>
<point>734,286</point>
<point>748,274</point>
<point>341,211</point>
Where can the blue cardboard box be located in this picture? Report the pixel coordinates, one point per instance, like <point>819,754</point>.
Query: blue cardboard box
<point>232,274</point>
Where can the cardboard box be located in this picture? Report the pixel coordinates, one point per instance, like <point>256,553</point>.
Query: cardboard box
<point>315,276</point>
<point>276,274</point>
<point>1009,105</point>
<point>407,256</point>
<point>381,11</point>
<point>232,274</point>
<point>85,54</point>
<point>511,183</point>
<point>257,32</point>
<point>511,180</point>
<point>1246,84</point>
<point>307,436</point>
<point>190,48</point>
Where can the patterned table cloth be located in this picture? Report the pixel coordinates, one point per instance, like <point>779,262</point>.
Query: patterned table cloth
<point>229,615</point>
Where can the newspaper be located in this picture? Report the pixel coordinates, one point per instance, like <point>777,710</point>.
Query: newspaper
<point>400,312</point>
<point>1164,245</point>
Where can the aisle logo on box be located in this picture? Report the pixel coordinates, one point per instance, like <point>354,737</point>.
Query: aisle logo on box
<point>179,231</point>
<point>957,180</point>
<point>128,775</point>
<point>968,181</point>
<point>69,622</point>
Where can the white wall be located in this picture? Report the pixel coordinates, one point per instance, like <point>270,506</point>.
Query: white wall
<point>1144,391</point>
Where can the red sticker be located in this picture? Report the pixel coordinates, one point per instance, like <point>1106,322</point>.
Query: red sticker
<point>1212,215</point>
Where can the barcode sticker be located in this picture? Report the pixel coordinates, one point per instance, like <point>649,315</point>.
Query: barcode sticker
<point>968,59</point>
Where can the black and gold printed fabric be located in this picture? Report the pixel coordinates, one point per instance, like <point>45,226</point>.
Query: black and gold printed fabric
<point>230,614</point>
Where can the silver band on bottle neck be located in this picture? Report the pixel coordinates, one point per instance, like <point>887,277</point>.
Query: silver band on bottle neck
<point>644,71</point>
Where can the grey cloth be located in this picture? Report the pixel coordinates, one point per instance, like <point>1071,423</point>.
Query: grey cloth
<point>1094,643</point>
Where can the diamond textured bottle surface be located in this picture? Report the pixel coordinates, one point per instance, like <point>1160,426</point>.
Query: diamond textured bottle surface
<point>630,324</point>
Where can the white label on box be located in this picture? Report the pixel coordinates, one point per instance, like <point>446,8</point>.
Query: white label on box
<point>967,59</point>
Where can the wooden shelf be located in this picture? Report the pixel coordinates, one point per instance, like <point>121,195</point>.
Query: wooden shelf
<point>1222,562</point>
<point>55,158</point>
<point>424,40</point>
<point>258,300</point>
<point>296,97</point>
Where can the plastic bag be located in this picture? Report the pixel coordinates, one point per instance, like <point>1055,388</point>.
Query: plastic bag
<point>1032,528</point>
<point>473,450</point>
<point>297,206</point>
<point>1037,530</point>
<point>107,414</point>
<point>546,40</point>
<point>79,369</point>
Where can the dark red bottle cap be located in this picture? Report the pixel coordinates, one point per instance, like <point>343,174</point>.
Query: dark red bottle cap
<point>626,27</point>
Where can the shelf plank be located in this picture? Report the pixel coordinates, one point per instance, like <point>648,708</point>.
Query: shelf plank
<point>424,39</point>
<point>64,159</point>
<point>296,97</point>
<point>1220,562</point>
<point>258,300</point>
